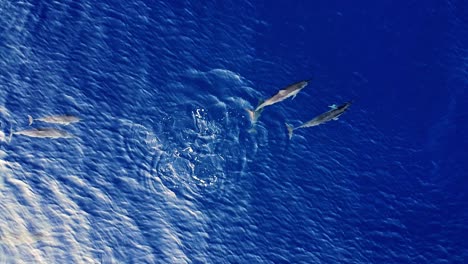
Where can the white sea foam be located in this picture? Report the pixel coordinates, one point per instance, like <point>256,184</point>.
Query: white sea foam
<point>2,136</point>
<point>4,111</point>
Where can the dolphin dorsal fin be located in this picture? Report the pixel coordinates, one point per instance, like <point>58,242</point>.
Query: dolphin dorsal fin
<point>333,106</point>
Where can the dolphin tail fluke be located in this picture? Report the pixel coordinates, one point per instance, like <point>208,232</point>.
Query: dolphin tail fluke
<point>258,112</point>
<point>251,114</point>
<point>30,119</point>
<point>254,114</point>
<point>253,119</point>
<point>290,130</point>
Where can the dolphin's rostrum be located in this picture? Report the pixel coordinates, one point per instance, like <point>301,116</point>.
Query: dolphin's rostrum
<point>332,114</point>
<point>289,91</point>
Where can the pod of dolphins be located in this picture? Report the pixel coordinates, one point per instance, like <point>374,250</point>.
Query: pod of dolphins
<point>291,91</point>
<point>287,92</point>
<point>48,132</point>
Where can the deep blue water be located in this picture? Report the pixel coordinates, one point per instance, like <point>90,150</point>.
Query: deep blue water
<point>164,167</point>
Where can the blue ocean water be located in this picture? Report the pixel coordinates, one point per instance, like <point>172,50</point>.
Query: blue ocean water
<point>164,167</point>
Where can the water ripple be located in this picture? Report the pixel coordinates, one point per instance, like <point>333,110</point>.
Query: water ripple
<point>198,148</point>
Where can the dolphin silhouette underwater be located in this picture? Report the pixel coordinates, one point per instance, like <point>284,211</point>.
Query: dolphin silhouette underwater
<point>332,114</point>
<point>45,132</point>
<point>289,91</point>
<point>56,119</point>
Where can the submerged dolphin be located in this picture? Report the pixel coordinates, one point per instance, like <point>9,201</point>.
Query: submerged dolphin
<point>46,132</point>
<point>289,91</point>
<point>58,119</point>
<point>320,119</point>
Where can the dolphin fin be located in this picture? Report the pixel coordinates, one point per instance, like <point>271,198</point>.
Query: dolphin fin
<point>333,106</point>
<point>290,130</point>
<point>254,115</point>
<point>258,113</point>
<point>251,113</point>
<point>336,118</point>
<point>30,119</point>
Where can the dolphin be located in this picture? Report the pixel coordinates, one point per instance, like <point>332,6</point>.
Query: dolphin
<point>45,132</point>
<point>57,119</point>
<point>332,114</point>
<point>289,91</point>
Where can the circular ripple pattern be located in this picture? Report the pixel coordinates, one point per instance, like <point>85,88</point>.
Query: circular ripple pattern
<point>194,163</point>
<point>199,148</point>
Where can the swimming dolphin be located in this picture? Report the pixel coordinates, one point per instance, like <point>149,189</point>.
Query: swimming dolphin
<point>58,119</point>
<point>289,91</point>
<point>332,114</point>
<point>46,132</point>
